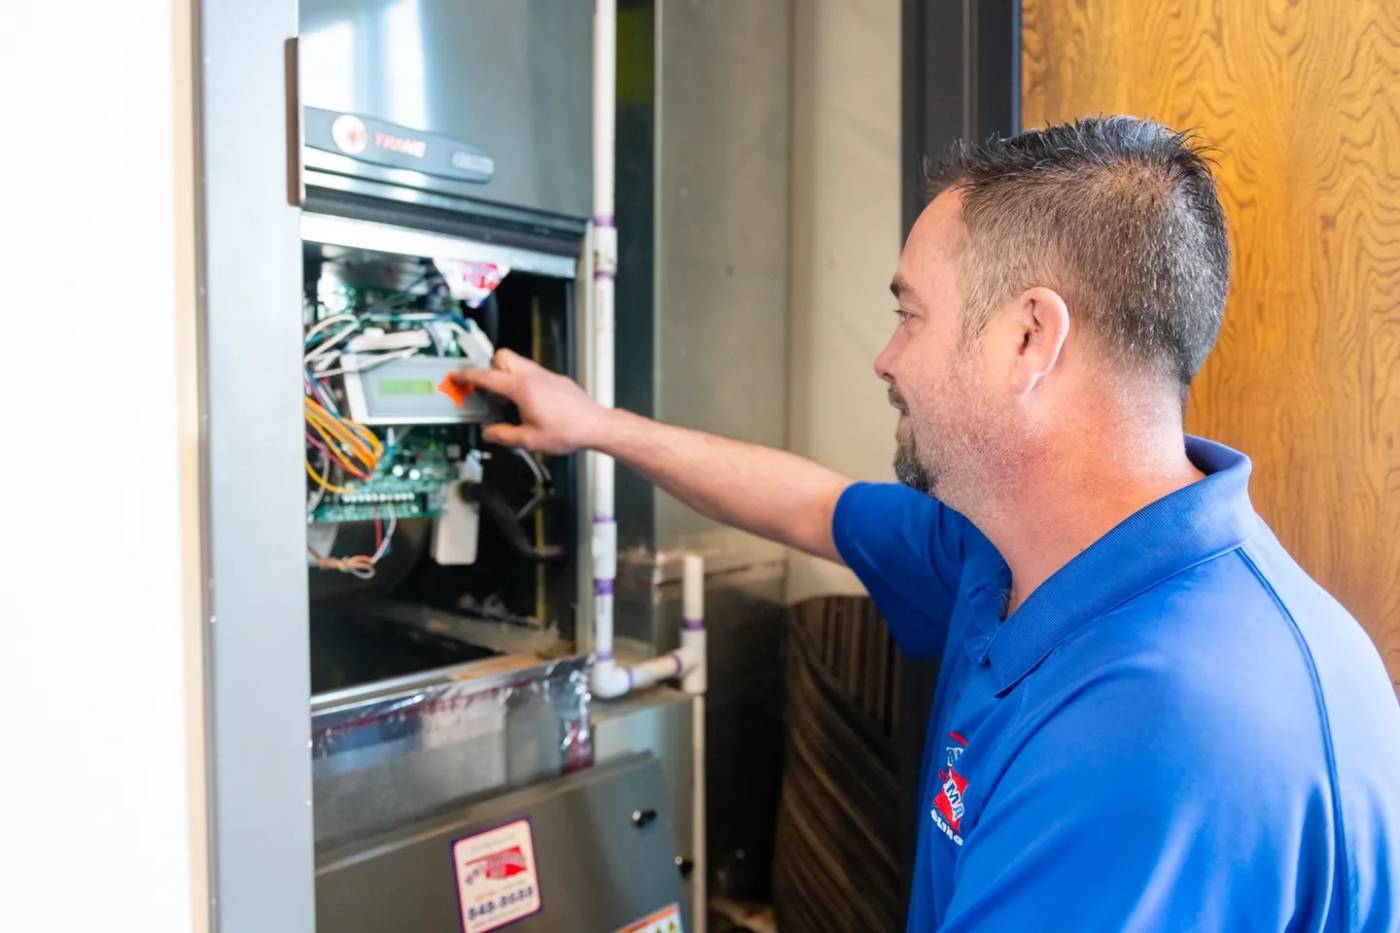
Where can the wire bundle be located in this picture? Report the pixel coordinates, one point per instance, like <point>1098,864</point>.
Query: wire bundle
<point>342,449</point>
<point>348,444</point>
<point>338,442</point>
<point>359,565</point>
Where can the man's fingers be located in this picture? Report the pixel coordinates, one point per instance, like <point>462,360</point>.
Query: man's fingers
<point>507,435</point>
<point>492,380</point>
<point>512,362</point>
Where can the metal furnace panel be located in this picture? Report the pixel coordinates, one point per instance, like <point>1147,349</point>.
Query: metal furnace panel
<point>660,721</point>
<point>509,79</point>
<point>603,854</point>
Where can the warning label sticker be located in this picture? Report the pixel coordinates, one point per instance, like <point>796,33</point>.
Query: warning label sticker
<point>665,920</point>
<point>471,280</point>
<point>497,882</point>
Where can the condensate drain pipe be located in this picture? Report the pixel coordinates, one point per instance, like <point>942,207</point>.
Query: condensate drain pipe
<point>686,663</point>
<point>610,679</point>
<point>607,678</point>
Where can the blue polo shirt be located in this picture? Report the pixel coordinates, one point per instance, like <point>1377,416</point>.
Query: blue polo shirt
<point>1179,730</point>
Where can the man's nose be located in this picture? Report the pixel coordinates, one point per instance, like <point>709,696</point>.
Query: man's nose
<point>882,365</point>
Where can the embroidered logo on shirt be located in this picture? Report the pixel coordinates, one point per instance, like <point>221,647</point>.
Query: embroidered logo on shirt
<point>948,804</point>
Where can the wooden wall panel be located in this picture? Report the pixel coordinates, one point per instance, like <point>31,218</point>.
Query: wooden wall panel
<point>1302,100</point>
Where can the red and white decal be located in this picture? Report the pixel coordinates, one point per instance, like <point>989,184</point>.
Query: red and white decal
<point>471,280</point>
<point>949,804</point>
<point>348,132</point>
<point>497,882</point>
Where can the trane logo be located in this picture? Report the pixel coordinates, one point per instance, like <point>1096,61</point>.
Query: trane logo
<point>410,147</point>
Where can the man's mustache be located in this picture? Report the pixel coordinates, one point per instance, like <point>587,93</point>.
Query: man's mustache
<point>897,400</point>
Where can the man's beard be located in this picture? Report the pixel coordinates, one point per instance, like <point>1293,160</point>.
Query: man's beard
<point>907,466</point>
<point>963,448</point>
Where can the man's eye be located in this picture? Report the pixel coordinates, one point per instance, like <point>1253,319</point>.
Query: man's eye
<point>904,316</point>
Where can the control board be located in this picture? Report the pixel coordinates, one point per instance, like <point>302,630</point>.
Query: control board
<point>411,480</point>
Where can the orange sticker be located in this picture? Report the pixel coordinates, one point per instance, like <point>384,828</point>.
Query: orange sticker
<point>455,391</point>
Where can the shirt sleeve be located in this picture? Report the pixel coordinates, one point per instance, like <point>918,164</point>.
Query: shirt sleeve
<point>907,548</point>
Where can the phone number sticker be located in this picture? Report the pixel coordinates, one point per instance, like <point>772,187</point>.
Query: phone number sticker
<point>497,881</point>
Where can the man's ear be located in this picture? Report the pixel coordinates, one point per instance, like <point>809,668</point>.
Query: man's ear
<point>1041,324</point>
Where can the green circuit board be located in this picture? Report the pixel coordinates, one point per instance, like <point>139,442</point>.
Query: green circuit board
<point>411,482</point>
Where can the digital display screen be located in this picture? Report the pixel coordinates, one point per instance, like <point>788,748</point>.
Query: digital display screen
<point>411,390</point>
<point>406,387</point>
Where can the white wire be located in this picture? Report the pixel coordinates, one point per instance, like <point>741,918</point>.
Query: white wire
<point>388,536</point>
<point>325,347</point>
<point>322,325</point>
<point>415,315</point>
<point>541,473</point>
<point>364,573</point>
<point>542,480</point>
<point>363,363</point>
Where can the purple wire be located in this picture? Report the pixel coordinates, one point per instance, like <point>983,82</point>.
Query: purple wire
<point>310,437</point>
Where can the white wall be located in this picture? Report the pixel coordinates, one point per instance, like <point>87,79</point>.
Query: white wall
<point>102,793</point>
<point>845,243</point>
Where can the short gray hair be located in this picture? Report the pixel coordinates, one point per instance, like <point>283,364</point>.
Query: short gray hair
<point>1117,214</point>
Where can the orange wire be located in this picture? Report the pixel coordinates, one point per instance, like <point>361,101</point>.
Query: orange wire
<point>324,483</point>
<point>336,454</point>
<point>354,432</point>
<point>316,415</point>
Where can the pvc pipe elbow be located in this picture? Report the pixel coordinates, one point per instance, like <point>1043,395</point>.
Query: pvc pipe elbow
<point>696,678</point>
<point>609,679</point>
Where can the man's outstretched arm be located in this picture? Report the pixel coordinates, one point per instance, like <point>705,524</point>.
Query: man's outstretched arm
<point>771,493</point>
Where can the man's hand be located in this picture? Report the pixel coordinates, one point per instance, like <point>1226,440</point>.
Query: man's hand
<point>559,417</point>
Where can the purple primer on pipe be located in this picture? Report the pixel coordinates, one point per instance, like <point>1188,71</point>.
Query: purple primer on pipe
<point>602,587</point>
<point>603,656</point>
<point>693,625</point>
<point>600,519</point>
<point>631,678</point>
<point>603,275</point>
<point>604,220</point>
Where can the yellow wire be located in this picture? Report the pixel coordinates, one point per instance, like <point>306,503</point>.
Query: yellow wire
<point>364,433</point>
<point>315,413</point>
<point>356,436</point>
<point>318,418</point>
<point>361,444</point>
<point>335,452</point>
<point>367,434</point>
<point>321,481</point>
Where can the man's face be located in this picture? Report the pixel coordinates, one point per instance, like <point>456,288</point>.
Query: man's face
<point>952,431</point>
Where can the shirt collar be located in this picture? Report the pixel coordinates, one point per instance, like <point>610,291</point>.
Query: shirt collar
<point>1181,529</point>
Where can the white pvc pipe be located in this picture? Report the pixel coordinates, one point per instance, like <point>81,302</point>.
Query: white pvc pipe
<point>694,682</point>
<point>699,887</point>
<point>613,680</point>
<point>668,666</point>
<point>693,623</point>
<point>606,675</point>
<point>609,679</point>
<point>687,663</point>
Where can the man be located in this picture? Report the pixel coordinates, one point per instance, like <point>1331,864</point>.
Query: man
<point>1148,716</point>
